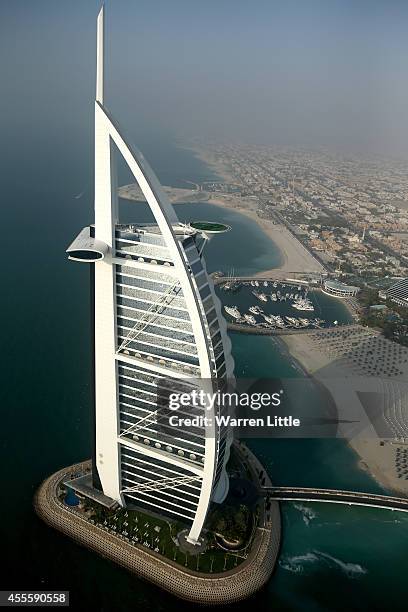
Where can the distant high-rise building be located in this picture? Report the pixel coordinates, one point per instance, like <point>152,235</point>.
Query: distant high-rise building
<point>398,293</point>
<point>157,327</point>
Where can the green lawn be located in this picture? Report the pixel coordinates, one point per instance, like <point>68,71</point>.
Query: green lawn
<point>160,535</point>
<point>209,226</point>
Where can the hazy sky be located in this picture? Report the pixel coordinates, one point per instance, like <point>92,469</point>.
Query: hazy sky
<point>290,72</point>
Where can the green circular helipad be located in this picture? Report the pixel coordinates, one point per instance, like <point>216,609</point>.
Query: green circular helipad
<point>210,227</point>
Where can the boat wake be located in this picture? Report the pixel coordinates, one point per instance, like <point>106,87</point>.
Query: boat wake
<point>299,564</point>
<point>351,569</point>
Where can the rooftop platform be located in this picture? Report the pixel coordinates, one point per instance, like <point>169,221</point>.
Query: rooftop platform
<point>83,486</point>
<point>210,227</point>
<point>180,229</point>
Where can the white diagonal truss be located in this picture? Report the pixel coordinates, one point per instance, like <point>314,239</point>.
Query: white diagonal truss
<point>149,419</point>
<point>163,483</point>
<point>149,316</point>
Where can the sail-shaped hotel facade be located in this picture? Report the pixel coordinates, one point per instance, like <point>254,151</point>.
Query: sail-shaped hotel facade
<point>158,328</point>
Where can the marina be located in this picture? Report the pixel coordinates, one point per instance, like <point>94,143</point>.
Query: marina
<point>268,306</point>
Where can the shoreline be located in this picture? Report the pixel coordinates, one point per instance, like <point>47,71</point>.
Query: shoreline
<point>373,454</point>
<point>294,257</point>
<point>221,170</point>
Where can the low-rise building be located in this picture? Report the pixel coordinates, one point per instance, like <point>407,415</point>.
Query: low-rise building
<point>340,290</point>
<point>398,293</point>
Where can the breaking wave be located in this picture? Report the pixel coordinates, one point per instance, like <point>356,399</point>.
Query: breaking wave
<point>351,569</point>
<point>308,514</point>
<point>296,564</point>
<point>299,564</point>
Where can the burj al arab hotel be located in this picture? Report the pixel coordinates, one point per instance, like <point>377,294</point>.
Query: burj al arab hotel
<point>157,326</point>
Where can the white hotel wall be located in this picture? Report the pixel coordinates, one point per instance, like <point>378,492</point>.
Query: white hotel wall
<point>106,358</point>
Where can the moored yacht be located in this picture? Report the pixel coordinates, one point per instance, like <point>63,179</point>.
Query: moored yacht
<point>303,304</point>
<point>233,311</point>
<point>255,310</point>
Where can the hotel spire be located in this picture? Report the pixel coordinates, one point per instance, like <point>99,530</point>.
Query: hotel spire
<point>100,56</point>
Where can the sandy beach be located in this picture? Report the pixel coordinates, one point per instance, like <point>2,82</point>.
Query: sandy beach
<point>333,366</point>
<point>294,256</point>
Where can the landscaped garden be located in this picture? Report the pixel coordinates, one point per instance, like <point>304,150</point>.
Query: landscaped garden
<point>228,534</point>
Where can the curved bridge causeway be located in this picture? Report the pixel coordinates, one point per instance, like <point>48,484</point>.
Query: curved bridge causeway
<point>336,496</point>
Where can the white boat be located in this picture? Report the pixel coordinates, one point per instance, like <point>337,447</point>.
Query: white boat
<point>265,283</point>
<point>260,296</point>
<point>275,284</point>
<point>305,322</point>
<point>233,311</point>
<point>292,321</point>
<point>270,319</point>
<point>250,319</point>
<point>273,297</point>
<point>317,322</point>
<point>303,304</point>
<point>255,310</point>
<point>279,321</point>
<point>256,284</point>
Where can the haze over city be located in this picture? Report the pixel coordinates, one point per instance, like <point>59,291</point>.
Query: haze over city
<point>294,73</point>
<point>262,251</point>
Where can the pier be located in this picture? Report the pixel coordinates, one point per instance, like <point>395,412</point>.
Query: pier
<point>281,276</point>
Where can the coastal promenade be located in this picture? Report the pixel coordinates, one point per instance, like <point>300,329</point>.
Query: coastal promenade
<point>211,589</point>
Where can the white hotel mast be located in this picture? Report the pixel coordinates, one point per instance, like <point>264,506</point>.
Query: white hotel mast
<point>157,323</point>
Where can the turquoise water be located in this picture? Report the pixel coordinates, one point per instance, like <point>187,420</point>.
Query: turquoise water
<point>256,251</point>
<point>333,558</point>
